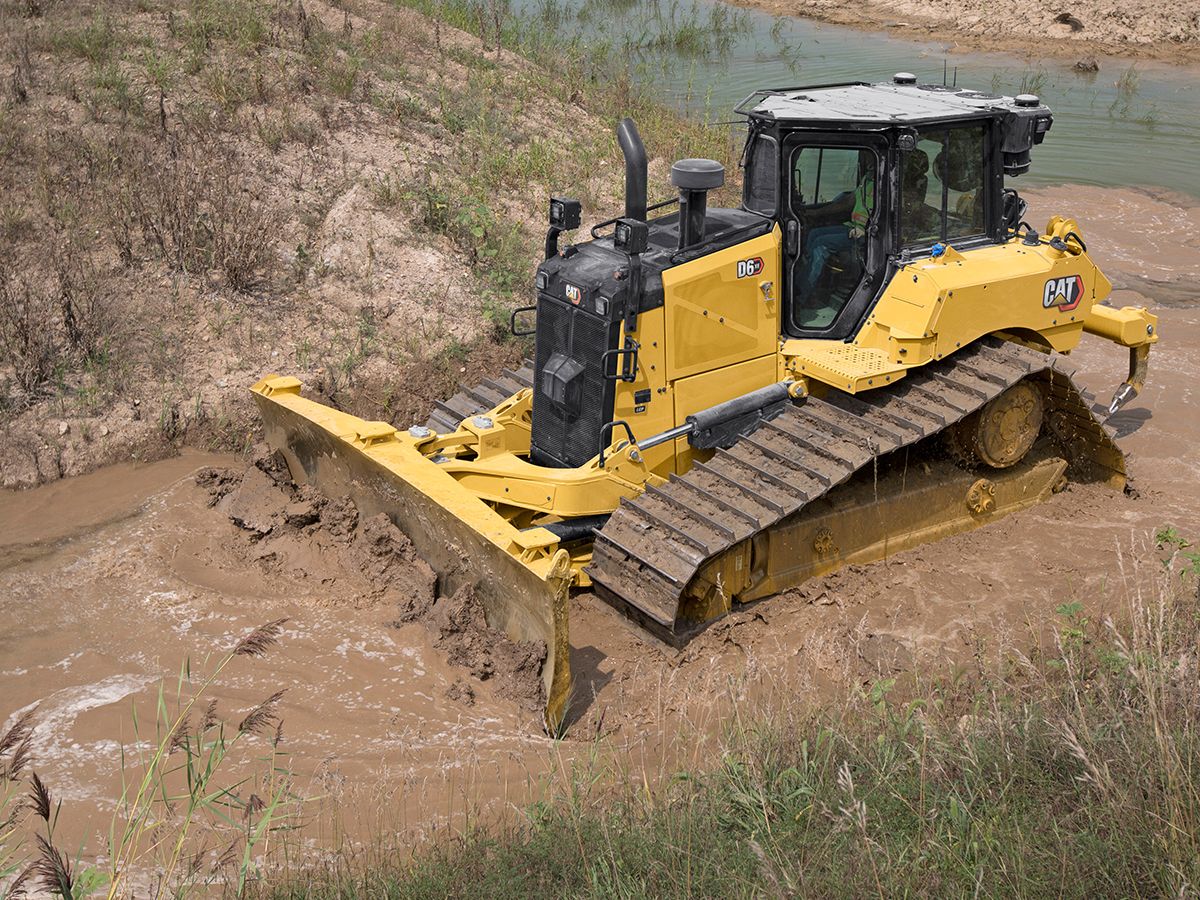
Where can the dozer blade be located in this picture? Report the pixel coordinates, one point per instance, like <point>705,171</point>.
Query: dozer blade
<point>521,577</point>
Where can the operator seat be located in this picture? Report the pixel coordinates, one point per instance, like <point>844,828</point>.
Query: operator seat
<point>916,215</point>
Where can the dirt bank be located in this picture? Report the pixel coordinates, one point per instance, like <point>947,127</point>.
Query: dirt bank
<point>1081,31</point>
<point>272,189</point>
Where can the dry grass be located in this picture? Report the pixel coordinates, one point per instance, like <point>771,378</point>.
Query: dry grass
<point>193,209</point>
<point>52,321</point>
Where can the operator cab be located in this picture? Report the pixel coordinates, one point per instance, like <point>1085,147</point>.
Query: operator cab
<point>861,177</point>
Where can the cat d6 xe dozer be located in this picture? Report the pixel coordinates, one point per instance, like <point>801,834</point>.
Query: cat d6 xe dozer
<point>863,356</point>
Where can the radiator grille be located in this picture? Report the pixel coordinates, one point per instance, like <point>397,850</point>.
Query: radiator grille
<point>564,438</point>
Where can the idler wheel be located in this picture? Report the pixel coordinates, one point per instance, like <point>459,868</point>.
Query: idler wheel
<point>1003,431</point>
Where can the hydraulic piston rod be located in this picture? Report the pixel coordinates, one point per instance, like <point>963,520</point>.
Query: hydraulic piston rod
<point>726,422</point>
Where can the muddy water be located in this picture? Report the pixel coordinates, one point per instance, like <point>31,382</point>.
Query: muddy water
<point>109,582</point>
<point>1144,240</point>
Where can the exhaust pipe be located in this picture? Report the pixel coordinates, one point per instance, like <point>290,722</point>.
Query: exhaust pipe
<point>635,169</point>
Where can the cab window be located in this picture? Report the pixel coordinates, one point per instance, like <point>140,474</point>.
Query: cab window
<point>833,200</point>
<point>762,166</point>
<point>942,186</point>
<point>824,174</point>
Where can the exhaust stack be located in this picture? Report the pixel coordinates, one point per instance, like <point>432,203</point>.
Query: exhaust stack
<point>635,169</point>
<point>695,178</point>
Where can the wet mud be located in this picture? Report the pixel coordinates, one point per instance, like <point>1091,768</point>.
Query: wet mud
<point>405,716</point>
<point>295,532</point>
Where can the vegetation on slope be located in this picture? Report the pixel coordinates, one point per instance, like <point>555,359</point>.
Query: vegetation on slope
<point>197,192</point>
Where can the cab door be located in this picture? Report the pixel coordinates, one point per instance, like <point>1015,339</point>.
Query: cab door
<point>833,216</point>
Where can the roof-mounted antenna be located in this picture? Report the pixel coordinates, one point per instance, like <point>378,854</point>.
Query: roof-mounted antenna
<point>944,64</point>
<point>955,76</point>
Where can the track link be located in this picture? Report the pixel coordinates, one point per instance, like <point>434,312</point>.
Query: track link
<point>652,547</point>
<point>448,414</point>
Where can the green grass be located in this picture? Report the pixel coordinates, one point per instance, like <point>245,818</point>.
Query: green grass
<point>95,41</point>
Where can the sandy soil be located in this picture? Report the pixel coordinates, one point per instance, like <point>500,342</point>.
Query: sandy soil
<point>1081,31</point>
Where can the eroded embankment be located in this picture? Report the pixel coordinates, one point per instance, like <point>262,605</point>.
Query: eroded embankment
<point>1136,28</point>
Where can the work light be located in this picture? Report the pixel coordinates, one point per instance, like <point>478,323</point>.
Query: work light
<point>564,213</point>
<point>631,236</point>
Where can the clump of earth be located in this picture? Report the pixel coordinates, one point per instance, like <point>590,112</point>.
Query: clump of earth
<point>296,531</point>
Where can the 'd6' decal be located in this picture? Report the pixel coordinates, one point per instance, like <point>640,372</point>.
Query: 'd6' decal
<point>747,268</point>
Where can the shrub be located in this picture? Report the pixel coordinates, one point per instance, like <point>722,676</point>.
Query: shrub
<point>195,210</point>
<point>29,340</point>
<point>49,323</point>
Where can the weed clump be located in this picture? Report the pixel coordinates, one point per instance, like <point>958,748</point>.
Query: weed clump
<point>194,210</point>
<point>48,323</point>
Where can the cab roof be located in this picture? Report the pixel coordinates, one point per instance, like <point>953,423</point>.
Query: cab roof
<point>884,103</point>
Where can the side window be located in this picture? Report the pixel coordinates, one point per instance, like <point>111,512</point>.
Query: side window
<point>762,164</point>
<point>942,186</point>
<point>833,199</point>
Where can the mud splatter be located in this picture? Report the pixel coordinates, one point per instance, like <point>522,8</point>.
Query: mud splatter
<point>295,531</point>
<point>468,641</point>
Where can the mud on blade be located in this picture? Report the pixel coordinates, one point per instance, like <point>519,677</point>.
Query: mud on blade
<point>520,577</point>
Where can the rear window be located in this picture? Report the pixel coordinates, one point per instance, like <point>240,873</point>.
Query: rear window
<point>762,166</point>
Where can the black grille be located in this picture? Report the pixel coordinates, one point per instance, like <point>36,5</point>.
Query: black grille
<point>567,417</point>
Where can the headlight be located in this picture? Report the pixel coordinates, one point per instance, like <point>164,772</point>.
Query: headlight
<point>564,213</point>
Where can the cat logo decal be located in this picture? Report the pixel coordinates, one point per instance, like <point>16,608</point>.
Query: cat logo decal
<point>1063,294</point>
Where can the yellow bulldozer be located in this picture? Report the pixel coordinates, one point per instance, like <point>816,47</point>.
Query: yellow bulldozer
<point>867,354</point>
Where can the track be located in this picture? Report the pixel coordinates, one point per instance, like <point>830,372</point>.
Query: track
<point>651,549</point>
<point>447,415</point>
